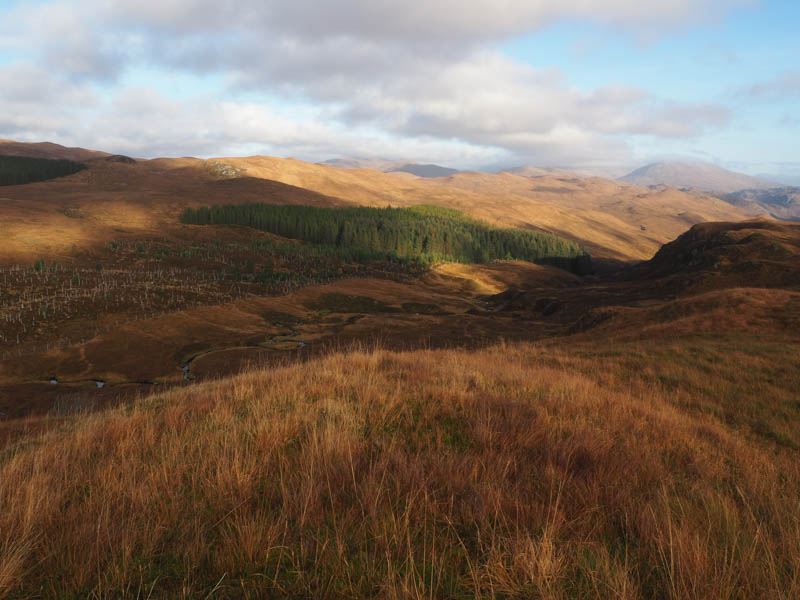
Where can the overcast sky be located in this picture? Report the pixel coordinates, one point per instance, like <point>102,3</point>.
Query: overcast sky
<point>464,83</point>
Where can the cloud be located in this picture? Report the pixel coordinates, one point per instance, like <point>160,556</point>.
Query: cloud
<point>367,75</point>
<point>440,20</point>
<point>786,85</point>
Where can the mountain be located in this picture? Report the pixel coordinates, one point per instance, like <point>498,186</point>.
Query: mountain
<point>759,253</point>
<point>428,171</point>
<point>699,176</point>
<point>392,166</point>
<point>779,202</point>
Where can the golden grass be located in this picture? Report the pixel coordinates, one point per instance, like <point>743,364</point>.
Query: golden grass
<point>518,471</point>
<point>606,215</point>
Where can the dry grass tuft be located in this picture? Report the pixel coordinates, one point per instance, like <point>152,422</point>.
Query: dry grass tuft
<point>515,471</point>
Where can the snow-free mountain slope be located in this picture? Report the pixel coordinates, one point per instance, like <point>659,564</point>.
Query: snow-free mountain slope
<point>697,175</point>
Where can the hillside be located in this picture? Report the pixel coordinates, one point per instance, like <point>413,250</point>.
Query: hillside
<point>779,202</point>
<point>624,471</point>
<point>531,171</point>
<point>103,283</point>
<point>299,421</point>
<point>47,150</point>
<point>760,253</point>
<point>696,175</point>
<point>613,220</point>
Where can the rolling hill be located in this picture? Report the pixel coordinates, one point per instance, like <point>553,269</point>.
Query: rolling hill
<point>225,407</point>
<point>47,150</point>
<point>613,220</point>
<point>630,456</point>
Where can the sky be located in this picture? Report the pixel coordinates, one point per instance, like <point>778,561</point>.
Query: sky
<point>604,86</point>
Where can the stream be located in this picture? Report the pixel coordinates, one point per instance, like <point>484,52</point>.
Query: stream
<point>276,339</point>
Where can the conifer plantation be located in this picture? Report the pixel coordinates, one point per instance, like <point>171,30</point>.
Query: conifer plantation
<point>427,233</point>
<point>18,170</point>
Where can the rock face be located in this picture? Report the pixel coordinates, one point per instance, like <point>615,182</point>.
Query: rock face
<point>224,171</point>
<point>699,176</point>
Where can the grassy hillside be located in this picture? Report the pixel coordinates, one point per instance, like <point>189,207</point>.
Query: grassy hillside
<point>663,469</point>
<point>612,219</point>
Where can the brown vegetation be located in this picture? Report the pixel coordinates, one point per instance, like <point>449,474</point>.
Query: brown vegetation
<point>524,471</point>
<point>499,431</point>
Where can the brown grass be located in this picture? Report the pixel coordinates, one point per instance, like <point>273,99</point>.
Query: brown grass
<point>518,471</point>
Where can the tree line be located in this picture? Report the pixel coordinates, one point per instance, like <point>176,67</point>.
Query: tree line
<point>425,233</point>
<point>18,170</point>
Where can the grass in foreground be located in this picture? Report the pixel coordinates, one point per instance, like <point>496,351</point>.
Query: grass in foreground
<point>509,472</point>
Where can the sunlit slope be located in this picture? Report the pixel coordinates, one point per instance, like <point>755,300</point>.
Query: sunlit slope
<point>61,218</point>
<point>612,219</point>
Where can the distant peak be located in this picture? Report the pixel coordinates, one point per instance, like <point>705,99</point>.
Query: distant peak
<point>392,166</point>
<point>697,175</point>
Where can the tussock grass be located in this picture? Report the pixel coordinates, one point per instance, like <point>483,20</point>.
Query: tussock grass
<point>516,471</point>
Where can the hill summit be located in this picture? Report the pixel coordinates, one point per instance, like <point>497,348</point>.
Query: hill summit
<point>697,175</point>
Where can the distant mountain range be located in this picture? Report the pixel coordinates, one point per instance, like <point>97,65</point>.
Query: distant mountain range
<point>779,202</point>
<point>698,176</point>
<point>793,180</point>
<point>751,193</point>
<point>392,166</point>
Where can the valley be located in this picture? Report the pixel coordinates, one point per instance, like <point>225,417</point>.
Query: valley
<point>415,300</point>
<point>143,322</point>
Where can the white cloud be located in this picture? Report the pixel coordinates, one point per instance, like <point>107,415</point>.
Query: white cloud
<point>374,76</point>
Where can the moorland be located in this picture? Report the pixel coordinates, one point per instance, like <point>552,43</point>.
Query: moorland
<point>258,377</point>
